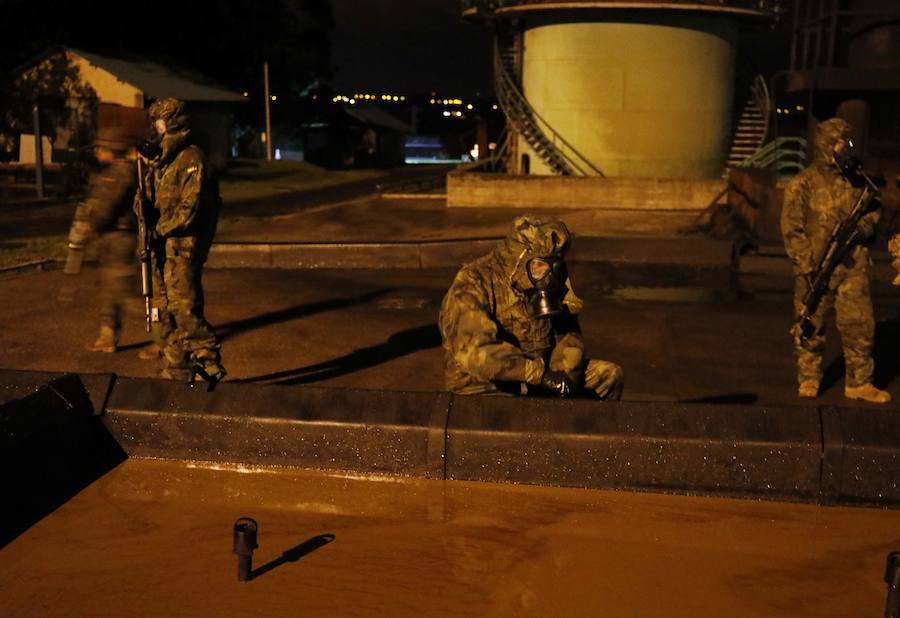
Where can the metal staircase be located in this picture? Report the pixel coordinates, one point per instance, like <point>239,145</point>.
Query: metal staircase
<point>753,125</point>
<point>559,155</point>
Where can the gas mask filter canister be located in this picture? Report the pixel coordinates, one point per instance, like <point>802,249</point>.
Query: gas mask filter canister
<point>546,276</point>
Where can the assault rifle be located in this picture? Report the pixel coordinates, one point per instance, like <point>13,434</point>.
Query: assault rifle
<point>845,235</point>
<point>144,209</point>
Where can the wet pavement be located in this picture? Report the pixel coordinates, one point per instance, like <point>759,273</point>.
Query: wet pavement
<point>697,338</point>
<point>153,538</point>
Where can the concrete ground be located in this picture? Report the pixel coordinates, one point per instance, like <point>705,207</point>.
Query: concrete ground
<point>698,338</point>
<point>154,538</point>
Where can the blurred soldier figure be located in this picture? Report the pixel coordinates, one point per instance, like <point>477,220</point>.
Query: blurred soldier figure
<point>814,202</point>
<point>106,214</point>
<point>894,248</point>
<point>509,321</point>
<point>185,199</point>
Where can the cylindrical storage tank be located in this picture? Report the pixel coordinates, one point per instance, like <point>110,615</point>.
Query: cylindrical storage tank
<point>875,38</point>
<point>647,94</point>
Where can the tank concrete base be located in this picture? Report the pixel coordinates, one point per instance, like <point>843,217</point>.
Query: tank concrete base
<point>644,195</point>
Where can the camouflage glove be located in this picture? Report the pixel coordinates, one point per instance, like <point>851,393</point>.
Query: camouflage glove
<point>558,382</point>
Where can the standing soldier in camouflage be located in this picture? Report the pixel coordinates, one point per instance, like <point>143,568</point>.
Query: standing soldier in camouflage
<point>814,202</point>
<point>509,321</point>
<point>106,214</point>
<point>185,199</point>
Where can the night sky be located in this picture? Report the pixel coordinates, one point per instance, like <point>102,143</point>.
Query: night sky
<point>407,47</point>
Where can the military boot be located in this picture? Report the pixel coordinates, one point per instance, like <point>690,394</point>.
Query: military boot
<point>808,388</point>
<point>867,392</point>
<point>150,352</point>
<point>210,371</point>
<point>106,342</point>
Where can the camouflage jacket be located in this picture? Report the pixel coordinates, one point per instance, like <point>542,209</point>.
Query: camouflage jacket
<point>487,332</point>
<point>184,193</point>
<point>815,201</point>
<point>108,203</point>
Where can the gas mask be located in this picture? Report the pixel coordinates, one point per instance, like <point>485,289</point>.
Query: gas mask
<point>547,276</point>
<point>150,150</point>
<point>847,161</point>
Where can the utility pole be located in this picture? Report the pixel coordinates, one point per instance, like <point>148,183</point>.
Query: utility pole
<point>38,152</point>
<point>268,116</point>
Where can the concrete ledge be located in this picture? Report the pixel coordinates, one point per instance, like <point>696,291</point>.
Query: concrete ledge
<point>830,456</point>
<point>722,450</point>
<point>314,427</point>
<point>475,190</point>
<point>861,462</point>
<point>18,384</point>
<point>697,252</point>
<point>434,254</point>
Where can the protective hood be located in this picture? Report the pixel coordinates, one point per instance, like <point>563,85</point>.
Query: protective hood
<point>827,135</point>
<point>170,111</point>
<point>534,237</point>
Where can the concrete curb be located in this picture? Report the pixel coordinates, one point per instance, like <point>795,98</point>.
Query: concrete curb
<point>692,252</point>
<point>825,455</point>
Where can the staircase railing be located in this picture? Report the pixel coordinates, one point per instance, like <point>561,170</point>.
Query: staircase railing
<point>786,154</point>
<point>554,150</point>
<point>760,93</point>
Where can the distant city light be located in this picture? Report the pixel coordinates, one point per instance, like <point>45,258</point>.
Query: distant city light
<point>352,101</point>
<point>446,113</point>
<point>494,106</point>
<point>432,101</point>
<point>246,94</point>
<point>274,98</point>
<point>470,106</point>
<point>278,154</point>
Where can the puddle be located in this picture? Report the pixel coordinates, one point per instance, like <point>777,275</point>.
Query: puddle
<point>666,294</point>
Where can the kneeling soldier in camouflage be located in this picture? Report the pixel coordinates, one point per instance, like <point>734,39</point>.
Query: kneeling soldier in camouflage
<point>509,321</point>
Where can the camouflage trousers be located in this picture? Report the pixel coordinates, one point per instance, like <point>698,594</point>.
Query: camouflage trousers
<point>183,334</point>
<point>855,321</point>
<point>117,275</point>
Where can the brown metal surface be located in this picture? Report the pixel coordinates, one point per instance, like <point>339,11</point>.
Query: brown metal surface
<point>154,538</point>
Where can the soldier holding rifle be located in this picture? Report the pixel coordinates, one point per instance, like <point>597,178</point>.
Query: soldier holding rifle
<point>179,202</point>
<point>830,211</point>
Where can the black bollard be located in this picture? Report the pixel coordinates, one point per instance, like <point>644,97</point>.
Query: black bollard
<point>892,579</point>
<point>245,530</point>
